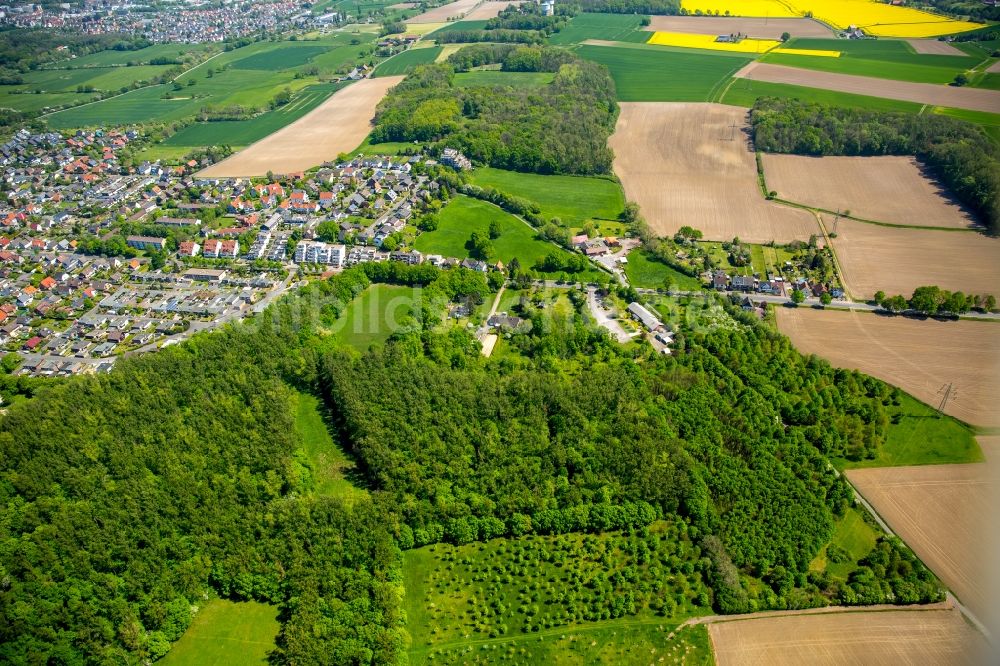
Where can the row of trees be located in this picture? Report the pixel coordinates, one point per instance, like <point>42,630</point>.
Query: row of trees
<point>933,300</point>
<point>958,152</point>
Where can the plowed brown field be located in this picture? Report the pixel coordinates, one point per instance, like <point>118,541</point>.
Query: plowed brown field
<point>885,189</point>
<point>337,125</point>
<point>898,260</point>
<point>917,356</point>
<point>690,164</point>
<point>877,638</point>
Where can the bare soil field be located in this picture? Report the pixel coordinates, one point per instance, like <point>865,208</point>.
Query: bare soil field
<point>691,164</point>
<point>917,356</point>
<point>885,637</point>
<point>445,12</point>
<point>897,260</point>
<point>758,28</point>
<point>977,99</point>
<point>994,68</point>
<point>885,189</point>
<point>945,514</point>
<point>934,47</point>
<point>489,9</point>
<point>337,125</point>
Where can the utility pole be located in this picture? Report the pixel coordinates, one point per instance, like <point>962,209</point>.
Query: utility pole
<point>947,392</point>
<point>732,131</point>
<point>836,221</point>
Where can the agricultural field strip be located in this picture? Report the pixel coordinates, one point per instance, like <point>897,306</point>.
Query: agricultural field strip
<point>759,28</point>
<point>900,636</point>
<point>310,140</point>
<point>943,513</point>
<point>445,12</point>
<point>884,189</point>
<point>689,164</point>
<point>924,93</point>
<point>933,47</point>
<point>917,356</point>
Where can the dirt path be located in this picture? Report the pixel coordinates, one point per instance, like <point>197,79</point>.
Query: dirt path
<point>977,99</point>
<point>337,125</point>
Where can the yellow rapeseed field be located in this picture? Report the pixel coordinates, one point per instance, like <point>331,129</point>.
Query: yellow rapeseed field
<point>875,18</point>
<point>822,53</point>
<point>708,42</point>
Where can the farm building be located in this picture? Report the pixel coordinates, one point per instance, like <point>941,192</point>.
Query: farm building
<point>644,317</point>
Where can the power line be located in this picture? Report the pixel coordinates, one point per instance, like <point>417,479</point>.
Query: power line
<point>947,392</point>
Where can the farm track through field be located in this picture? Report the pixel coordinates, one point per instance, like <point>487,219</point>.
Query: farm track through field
<point>976,99</point>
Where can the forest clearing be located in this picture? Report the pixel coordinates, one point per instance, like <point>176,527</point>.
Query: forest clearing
<point>918,356</point>
<point>689,164</point>
<point>337,125</point>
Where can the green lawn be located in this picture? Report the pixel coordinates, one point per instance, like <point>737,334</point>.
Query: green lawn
<point>644,271</point>
<point>744,92</point>
<point>244,132</point>
<point>853,536</point>
<point>226,632</point>
<point>464,215</point>
<point>611,27</point>
<point>573,199</point>
<point>331,468</point>
<point>487,77</point>
<point>375,314</point>
<point>650,74</point>
<point>405,61</point>
<point>923,438</point>
<point>387,148</point>
<point>513,593</point>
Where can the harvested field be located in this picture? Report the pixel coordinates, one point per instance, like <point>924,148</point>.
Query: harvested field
<point>488,10</point>
<point>976,99</point>
<point>994,68</point>
<point>934,47</point>
<point>886,637</point>
<point>445,12</point>
<point>758,28</point>
<point>944,513</point>
<point>897,260</point>
<point>689,164</point>
<point>917,356</point>
<point>337,125</point>
<point>885,189</point>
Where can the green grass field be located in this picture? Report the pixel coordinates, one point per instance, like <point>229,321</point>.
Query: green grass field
<point>853,536</point>
<point>921,437</point>
<point>573,199</point>
<point>242,82</point>
<point>744,92</point>
<point>238,133</point>
<point>226,632</point>
<point>463,215</point>
<point>488,77</point>
<point>506,592</point>
<point>376,314</point>
<point>405,61</point>
<point>332,469</point>
<point>112,58</point>
<point>612,27</point>
<point>646,272</point>
<point>886,50</point>
<point>990,122</point>
<point>650,74</point>
<point>460,26</point>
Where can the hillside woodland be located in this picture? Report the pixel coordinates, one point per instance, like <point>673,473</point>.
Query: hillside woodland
<point>561,127</point>
<point>131,497</point>
<point>959,153</point>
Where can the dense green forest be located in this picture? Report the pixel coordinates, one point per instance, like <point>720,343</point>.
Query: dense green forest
<point>958,152</point>
<point>562,127</point>
<point>130,497</point>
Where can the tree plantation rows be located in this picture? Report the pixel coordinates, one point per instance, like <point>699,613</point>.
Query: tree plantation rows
<point>568,480</point>
<point>958,152</point>
<point>561,127</point>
